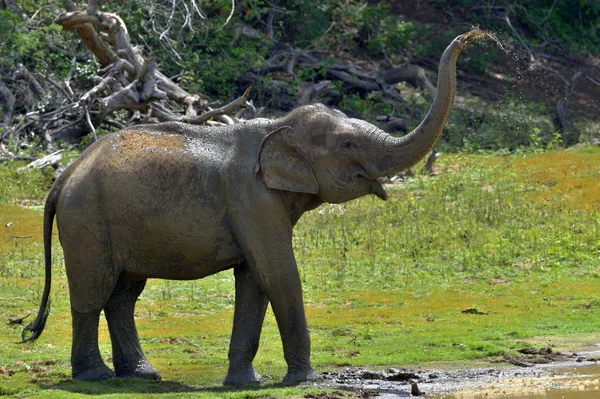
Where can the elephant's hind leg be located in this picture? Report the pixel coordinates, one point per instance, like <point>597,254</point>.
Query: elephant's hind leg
<point>128,358</point>
<point>90,284</point>
<point>86,362</point>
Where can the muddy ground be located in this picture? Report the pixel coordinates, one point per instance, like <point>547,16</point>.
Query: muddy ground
<point>533,371</point>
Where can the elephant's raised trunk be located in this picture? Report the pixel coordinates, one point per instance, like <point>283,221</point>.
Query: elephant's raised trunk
<point>399,153</point>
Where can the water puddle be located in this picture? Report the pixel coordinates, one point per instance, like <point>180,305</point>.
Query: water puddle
<point>561,376</point>
<point>572,382</point>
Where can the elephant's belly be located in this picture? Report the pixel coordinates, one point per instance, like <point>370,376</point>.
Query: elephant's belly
<point>183,266</point>
<point>191,269</point>
<point>180,257</point>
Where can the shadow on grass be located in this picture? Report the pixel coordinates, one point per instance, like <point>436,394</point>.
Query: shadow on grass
<point>123,386</point>
<point>133,385</point>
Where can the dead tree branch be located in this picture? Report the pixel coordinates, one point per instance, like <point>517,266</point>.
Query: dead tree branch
<point>225,110</point>
<point>48,160</point>
<point>126,81</point>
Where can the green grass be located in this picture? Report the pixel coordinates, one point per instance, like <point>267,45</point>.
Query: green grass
<point>385,283</point>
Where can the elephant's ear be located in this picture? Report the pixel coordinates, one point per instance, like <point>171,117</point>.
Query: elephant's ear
<point>283,167</point>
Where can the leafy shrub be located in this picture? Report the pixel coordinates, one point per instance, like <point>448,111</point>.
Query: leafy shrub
<point>358,27</point>
<point>511,125</point>
<point>305,21</point>
<point>27,43</point>
<point>590,131</point>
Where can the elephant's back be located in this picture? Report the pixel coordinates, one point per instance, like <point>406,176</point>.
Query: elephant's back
<point>147,166</point>
<point>153,201</point>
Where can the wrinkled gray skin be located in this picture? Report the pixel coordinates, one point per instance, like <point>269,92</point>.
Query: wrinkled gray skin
<point>182,202</point>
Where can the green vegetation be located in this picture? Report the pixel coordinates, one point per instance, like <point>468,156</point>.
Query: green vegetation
<point>476,125</point>
<point>560,25</point>
<point>516,237</point>
<point>25,44</point>
<point>217,52</point>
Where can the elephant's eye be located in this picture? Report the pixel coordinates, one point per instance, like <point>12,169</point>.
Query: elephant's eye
<point>349,145</point>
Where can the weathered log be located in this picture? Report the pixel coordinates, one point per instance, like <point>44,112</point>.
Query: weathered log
<point>48,160</point>
<point>249,111</point>
<point>321,91</point>
<point>413,74</point>
<point>110,23</point>
<point>391,124</point>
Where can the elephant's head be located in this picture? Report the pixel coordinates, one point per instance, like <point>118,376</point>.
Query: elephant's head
<point>321,151</point>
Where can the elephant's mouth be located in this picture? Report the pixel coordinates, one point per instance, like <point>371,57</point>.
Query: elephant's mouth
<point>378,190</point>
<point>374,186</point>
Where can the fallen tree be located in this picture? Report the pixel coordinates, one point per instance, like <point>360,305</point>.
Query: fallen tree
<point>129,81</point>
<point>126,80</point>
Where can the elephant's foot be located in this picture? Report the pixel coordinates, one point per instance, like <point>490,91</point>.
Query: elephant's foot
<point>242,377</point>
<point>297,376</point>
<point>143,370</point>
<point>98,373</point>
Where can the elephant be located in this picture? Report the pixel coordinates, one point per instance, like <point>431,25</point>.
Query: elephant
<point>178,201</point>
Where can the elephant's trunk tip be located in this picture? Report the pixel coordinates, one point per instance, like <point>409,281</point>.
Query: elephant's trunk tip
<point>477,34</point>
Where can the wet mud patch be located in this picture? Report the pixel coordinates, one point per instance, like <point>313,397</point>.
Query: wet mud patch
<point>332,395</point>
<point>537,369</point>
<point>529,357</point>
<point>404,382</point>
<point>359,393</point>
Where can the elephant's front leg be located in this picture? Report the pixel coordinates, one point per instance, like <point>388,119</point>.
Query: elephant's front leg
<point>250,308</point>
<point>288,307</point>
<point>267,247</point>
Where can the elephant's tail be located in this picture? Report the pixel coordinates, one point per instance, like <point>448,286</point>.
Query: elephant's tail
<point>34,329</point>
